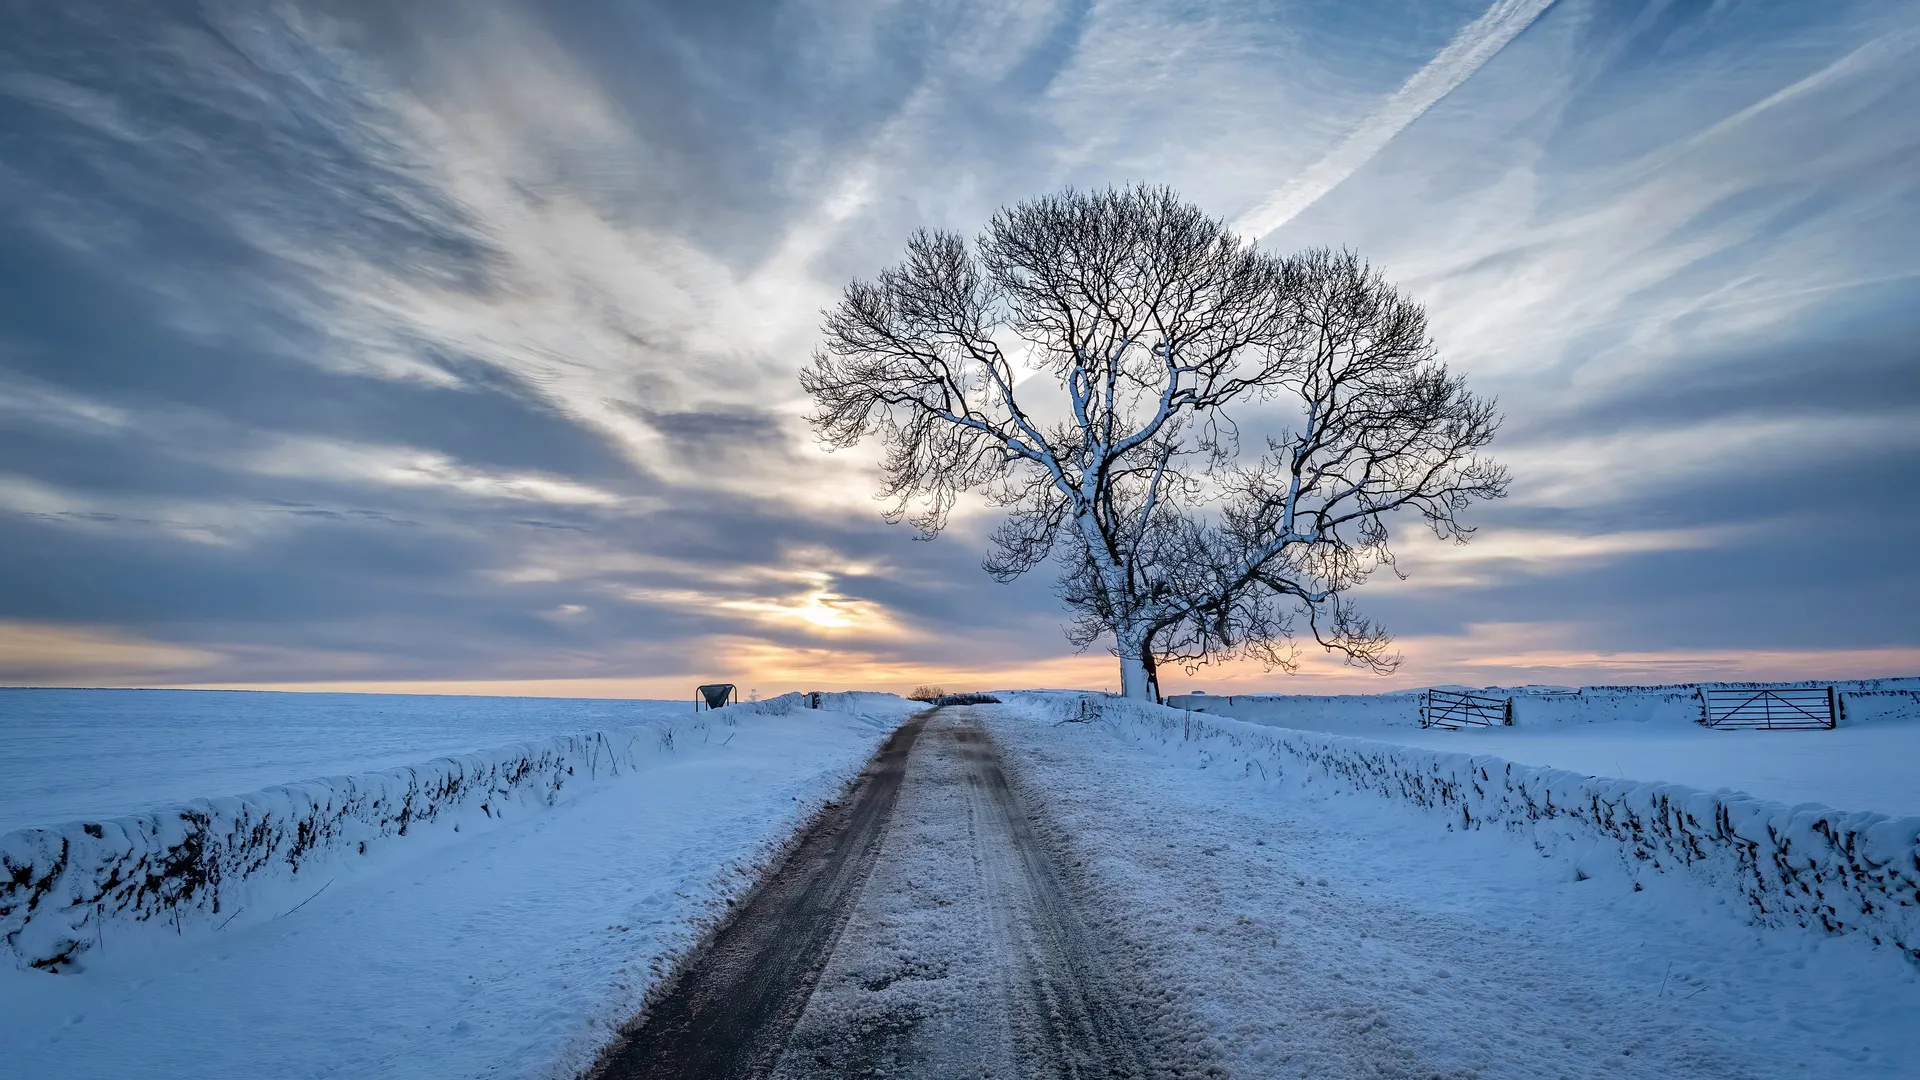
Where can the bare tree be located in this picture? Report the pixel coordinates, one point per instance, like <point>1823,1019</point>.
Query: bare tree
<point>1154,325</point>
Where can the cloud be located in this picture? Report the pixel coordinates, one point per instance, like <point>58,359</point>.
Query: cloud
<point>1467,53</point>
<point>28,401</point>
<point>1586,470</point>
<point>1500,554</point>
<point>1557,654</point>
<point>411,467</point>
<point>402,355</point>
<point>39,652</point>
<point>769,670</point>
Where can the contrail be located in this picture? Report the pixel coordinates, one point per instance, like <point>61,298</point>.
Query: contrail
<point>1456,63</point>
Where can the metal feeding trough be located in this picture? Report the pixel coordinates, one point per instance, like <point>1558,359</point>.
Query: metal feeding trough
<point>714,695</point>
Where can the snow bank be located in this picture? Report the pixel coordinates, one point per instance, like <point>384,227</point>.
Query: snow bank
<point>67,754</point>
<point>1320,712</point>
<point>516,949</point>
<point>1879,706</point>
<point>868,705</point>
<point>1861,701</point>
<point>192,867</point>
<point>1837,871</point>
<point>1349,936</point>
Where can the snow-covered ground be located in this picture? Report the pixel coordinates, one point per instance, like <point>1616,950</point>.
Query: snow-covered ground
<point>1646,733</point>
<point>1332,935</point>
<point>511,950</point>
<point>1873,767</point>
<point>67,754</point>
<point>1290,927</point>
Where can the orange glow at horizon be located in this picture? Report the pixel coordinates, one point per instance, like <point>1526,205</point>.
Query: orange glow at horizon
<point>811,670</point>
<point>1482,655</point>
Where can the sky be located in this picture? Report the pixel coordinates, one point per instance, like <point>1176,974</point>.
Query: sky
<point>453,346</point>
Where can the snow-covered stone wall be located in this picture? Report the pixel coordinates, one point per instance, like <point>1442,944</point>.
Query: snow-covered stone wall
<point>1834,871</point>
<point>866,704</point>
<point>191,867</point>
<point>1322,711</point>
<point>1879,706</point>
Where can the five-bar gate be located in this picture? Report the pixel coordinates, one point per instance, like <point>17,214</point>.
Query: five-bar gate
<point>1773,710</point>
<point>1452,711</point>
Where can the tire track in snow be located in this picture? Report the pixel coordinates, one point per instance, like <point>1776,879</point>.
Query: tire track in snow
<point>960,952</point>
<point>966,955</point>
<point>1066,1012</point>
<point>728,1012</point>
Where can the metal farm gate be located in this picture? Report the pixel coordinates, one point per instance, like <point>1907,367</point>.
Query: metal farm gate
<point>1771,710</point>
<point>1452,711</point>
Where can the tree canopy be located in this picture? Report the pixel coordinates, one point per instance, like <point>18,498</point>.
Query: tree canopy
<point>1089,364</point>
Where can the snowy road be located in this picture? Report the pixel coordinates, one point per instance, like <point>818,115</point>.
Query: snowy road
<point>962,952</point>
<point>730,1011</point>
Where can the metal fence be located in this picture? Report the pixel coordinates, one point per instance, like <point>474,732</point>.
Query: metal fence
<point>1772,710</point>
<point>1452,711</point>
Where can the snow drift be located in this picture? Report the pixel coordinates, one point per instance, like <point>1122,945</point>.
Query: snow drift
<point>191,866</point>
<point>1836,871</point>
<point>862,703</point>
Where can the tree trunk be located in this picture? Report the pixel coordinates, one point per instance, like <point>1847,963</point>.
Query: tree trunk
<point>1137,679</point>
<point>1153,672</point>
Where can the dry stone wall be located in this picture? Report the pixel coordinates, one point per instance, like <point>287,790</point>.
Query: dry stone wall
<point>192,866</point>
<point>1830,871</point>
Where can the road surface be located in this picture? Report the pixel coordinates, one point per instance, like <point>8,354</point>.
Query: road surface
<point>921,928</point>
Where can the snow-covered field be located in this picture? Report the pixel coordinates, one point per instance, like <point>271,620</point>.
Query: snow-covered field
<point>67,754</point>
<point>1849,768</point>
<point>1328,934</point>
<point>508,950</point>
<point>1329,914</point>
<point>1648,734</point>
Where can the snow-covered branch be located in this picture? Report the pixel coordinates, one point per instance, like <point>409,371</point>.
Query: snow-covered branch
<point>1155,324</point>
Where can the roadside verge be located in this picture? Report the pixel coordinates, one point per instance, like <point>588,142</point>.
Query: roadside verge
<point>1831,871</point>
